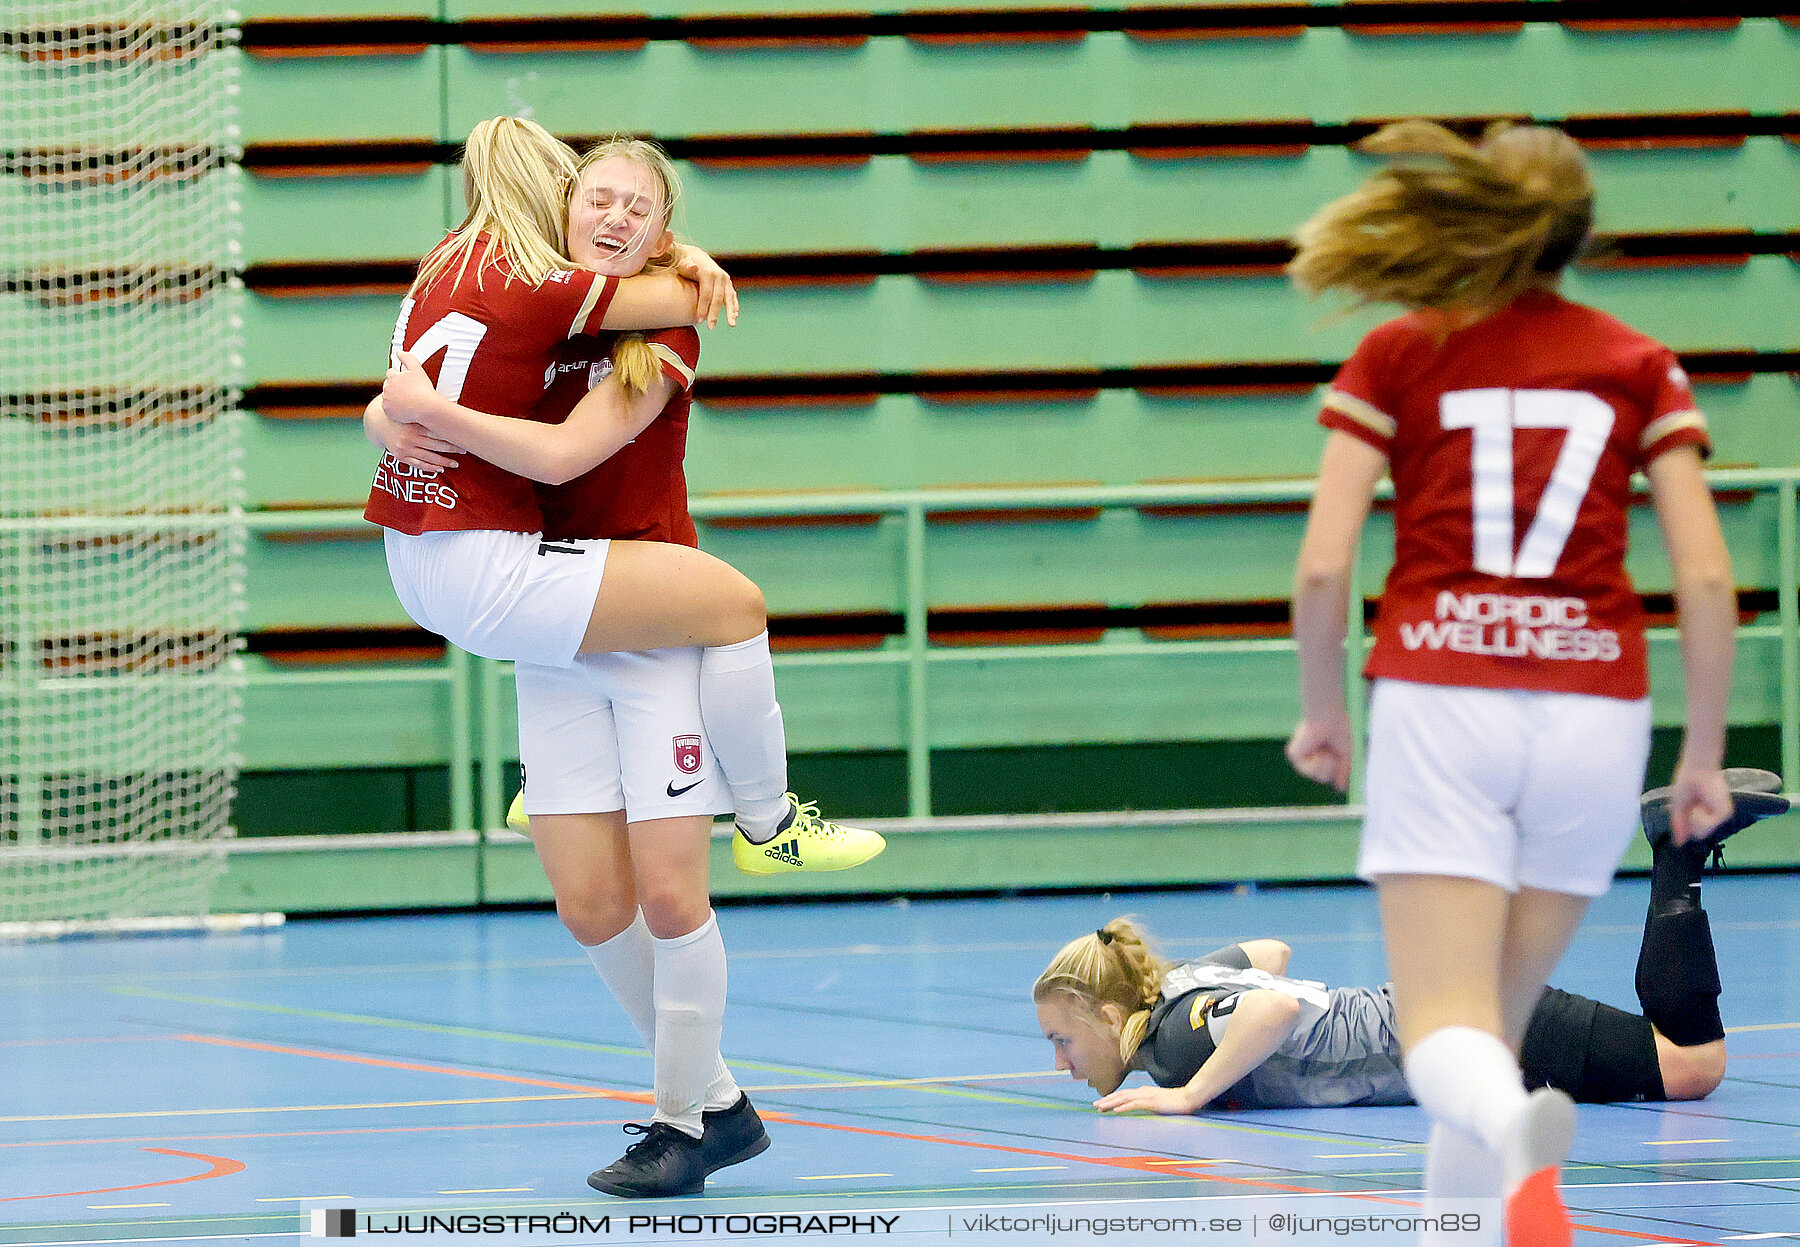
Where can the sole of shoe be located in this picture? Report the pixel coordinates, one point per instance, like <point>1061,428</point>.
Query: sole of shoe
<point>625,1190</point>
<point>755,866</point>
<point>741,1155</point>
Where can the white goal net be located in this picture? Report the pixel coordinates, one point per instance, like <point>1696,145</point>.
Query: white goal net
<point>121,547</point>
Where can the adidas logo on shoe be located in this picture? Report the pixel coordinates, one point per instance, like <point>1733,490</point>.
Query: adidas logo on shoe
<point>789,853</point>
<point>804,841</point>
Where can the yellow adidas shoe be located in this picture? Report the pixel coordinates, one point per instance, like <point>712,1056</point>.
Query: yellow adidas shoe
<point>516,817</point>
<point>805,841</point>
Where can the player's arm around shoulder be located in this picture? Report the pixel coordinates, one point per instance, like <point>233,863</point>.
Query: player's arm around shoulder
<point>603,423</point>
<point>1706,602</point>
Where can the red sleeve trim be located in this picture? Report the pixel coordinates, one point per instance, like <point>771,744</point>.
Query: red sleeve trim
<point>1338,422</point>
<point>594,307</point>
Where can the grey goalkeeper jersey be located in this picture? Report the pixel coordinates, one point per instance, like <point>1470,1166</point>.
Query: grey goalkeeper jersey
<point>1343,1049</point>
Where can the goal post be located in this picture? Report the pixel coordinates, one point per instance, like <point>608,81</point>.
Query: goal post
<point>121,521</point>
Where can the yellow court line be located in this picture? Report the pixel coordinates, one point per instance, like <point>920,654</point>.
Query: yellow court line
<point>303,1108</point>
<point>491,1190</point>
<point>1680,1142</point>
<point>1356,1155</point>
<point>105,1207</point>
<point>1766,1026</point>
<point>832,1177</point>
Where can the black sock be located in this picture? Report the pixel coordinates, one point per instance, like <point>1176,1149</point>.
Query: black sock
<point>1675,878</point>
<point>1678,977</point>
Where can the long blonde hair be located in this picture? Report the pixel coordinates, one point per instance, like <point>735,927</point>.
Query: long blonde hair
<point>1115,965</point>
<point>635,366</point>
<point>1450,223</point>
<point>516,180</point>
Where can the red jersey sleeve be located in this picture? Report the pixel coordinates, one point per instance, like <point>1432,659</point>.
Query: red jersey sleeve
<point>576,299</point>
<point>1674,418</point>
<point>1359,402</point>
<point>678,351</point>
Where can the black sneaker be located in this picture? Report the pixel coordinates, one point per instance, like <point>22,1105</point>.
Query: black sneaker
<point>666,1161</point>
<point>731,1135</point>
<point>1755,794</point>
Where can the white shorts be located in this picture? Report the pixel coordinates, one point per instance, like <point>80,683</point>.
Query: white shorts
<point>1521,789</point>
<point>618,732</point>
<point>511,596</point>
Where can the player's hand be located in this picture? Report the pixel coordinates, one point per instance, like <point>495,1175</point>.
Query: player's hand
<point>1699,800</point>
<point>717,294</point>
<point>407,394</point>
<point>414,444</point>
<point>1173,1101</point>
<point>1321,750</point>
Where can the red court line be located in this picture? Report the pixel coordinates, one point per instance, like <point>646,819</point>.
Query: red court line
<point>45,1043</point>
<point>600,1093</point>
<point>1142,1164</point>
<point>309,1134</point>
<point>221,1168</point>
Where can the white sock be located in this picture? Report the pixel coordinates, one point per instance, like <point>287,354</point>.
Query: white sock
<point>1467,1078</point>
<point>1458,1167</point>
<point>690,1014</point>
<point>627,963</point>
<point>743,725</point>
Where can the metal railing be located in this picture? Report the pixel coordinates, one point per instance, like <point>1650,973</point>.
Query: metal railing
<point>476,734</point>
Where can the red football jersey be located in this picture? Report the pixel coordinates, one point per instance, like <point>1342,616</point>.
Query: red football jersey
<point>490,345</point>
<point>640,493</point>
<point>1511,444</point>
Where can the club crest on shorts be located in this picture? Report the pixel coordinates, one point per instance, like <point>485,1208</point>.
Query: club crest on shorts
<point>687,754</point>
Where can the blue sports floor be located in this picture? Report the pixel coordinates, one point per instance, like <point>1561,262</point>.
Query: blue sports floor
<point>217,1089</point>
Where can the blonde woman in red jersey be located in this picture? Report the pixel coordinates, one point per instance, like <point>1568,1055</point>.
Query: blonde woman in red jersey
<point>486,315</point>
<point>1509,722</point>
<point>622,778</point>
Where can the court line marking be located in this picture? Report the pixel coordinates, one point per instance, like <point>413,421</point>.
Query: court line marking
<point>580,1045</point>
<point>833,1177</point>
<point>460,1032</point>
<point>1142,1163</point>
<point>345,1130</point>
<point>279,1108</point>
<point>109,1207</point>
<point>219,1167</point>
<point>419,1067</point>
<point>1680,1142</point>
<point>492,1190</point>
<point>1357,1155</point>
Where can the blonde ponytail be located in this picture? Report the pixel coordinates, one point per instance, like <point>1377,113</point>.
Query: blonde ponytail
<point>516,180</point>
<point>1449,223</point>
<point>1115,965</point>
<point>635,365</point>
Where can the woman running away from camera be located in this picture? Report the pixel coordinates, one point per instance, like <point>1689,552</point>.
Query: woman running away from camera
<point>1509,722</point>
